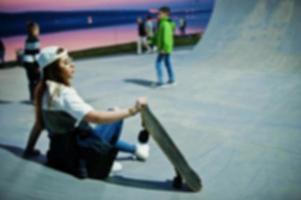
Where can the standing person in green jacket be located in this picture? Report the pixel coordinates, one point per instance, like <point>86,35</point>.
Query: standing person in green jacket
<point>165,43</point>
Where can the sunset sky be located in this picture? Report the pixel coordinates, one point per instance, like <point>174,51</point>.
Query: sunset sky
<point>39,5</point>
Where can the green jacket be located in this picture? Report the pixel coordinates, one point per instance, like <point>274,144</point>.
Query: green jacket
<point>165,35</point>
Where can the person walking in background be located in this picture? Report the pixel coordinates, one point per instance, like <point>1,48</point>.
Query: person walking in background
<point>182,26</point>
<point>142,36</point>
<point>149,27</point>
<point>31,50</point>
<point>165,43</point>
<point>2,53</point>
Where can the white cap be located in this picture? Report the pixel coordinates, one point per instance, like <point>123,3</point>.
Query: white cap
<point>48,55</point>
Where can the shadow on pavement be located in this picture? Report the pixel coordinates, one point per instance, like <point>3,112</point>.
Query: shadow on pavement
<point>25,102</point>
<point>17,151</point>
<point>115,179</point>
<point>5,102</point>
<point>140,82</point>
<point>144,184</point>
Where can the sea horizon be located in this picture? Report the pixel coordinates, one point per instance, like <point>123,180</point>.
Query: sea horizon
<point>54,21</point>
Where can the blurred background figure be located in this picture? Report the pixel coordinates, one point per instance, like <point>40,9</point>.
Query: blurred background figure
<point>89,20</point>
<point>142,37</point>
<point>31,50</point>
<point>2,53</point>
<point>150,30</point>
<point>182,25</point>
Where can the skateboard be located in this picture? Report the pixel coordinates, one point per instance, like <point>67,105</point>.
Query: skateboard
<point>184,173</point>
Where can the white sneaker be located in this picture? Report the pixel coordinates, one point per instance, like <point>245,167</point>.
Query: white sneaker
<point>142,151</point>
<point>117,166</point>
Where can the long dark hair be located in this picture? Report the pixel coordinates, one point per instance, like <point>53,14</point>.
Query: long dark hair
<point>52,72</point>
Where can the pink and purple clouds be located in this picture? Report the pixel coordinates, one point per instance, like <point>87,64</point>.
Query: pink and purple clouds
<point>46,5</point>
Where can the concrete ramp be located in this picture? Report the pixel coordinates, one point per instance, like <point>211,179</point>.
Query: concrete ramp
<point>248,72</point>
<point>235,114</point>
<point>264,31</point>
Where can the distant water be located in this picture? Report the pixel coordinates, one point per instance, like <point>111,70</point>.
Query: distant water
<point>87,30</point>
<point>64,21</point>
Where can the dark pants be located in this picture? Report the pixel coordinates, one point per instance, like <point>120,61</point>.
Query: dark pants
<point>33,76</point>
<point>85,154</point>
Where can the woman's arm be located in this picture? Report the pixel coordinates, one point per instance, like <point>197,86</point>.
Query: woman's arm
<point>38,125</point>
<point>105,117</point>
<point>32,140</point>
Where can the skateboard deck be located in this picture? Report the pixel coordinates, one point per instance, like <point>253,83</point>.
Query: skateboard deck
<point>160,135</point>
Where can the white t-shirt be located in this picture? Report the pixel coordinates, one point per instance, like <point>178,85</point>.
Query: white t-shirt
<point>59,97</point>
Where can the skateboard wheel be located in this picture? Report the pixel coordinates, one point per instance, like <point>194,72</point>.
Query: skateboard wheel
<point>177,182</point>
<point>143,136</point>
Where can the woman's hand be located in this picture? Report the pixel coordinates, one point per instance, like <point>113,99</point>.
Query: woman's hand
<point>141,103</point>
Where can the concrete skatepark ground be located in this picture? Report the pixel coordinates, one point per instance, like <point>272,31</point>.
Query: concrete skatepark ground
<point>235,114</point>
